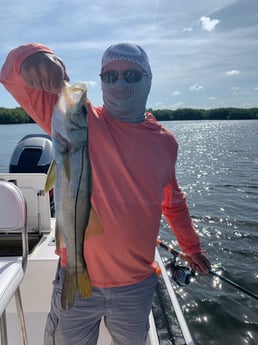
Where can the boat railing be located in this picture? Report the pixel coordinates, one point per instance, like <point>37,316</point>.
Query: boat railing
<point>174,301</point>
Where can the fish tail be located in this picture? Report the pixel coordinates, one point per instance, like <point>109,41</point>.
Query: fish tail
<point>84,283</point>
<point>72,282</point>
<point>69,290</point>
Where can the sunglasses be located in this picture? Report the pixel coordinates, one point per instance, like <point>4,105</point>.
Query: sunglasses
<point>130,75</point>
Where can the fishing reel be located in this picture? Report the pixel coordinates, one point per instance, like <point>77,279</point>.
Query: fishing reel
<point>182,275</point>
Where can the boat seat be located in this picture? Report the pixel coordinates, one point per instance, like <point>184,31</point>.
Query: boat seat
<point>12,218</point>
<point>38,212</point>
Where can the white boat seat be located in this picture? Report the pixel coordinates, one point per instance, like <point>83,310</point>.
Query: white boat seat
<point>11,275</point>
<point>38,212</point>
<point>12,218</point>
<point>37,201</point>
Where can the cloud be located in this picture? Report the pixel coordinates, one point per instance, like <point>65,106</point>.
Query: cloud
<point>208,24</point>
<point>231,73</point>
<point>187,29</point>
<point>176,93</point>
<point>196,87</point>
<point>177,105</point>
<point>195,48</point>
<point>158,105</point>
<point>91,83</point>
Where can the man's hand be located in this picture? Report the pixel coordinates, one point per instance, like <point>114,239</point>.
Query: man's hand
<point>44,71</point>
<point>200,263</point>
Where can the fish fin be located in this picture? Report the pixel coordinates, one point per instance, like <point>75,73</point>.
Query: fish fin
<point>51,177</point>
<point>94,227</point>
<point>84,283</point>
<point>69,290</point>
<point>66,166</point>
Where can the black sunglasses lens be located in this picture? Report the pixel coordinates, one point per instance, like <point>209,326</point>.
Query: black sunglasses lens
<point>109,77</point>
<point>132,76</point>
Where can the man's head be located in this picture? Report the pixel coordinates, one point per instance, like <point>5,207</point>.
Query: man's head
<point>126,81</point>
<point>127,52</point>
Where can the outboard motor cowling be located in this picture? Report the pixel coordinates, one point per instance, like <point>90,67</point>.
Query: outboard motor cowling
<point>33,154</point>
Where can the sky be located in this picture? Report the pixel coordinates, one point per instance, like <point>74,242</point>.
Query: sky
<point>203,53</point>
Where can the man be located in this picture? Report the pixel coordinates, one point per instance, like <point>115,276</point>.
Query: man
<point>133,162</point>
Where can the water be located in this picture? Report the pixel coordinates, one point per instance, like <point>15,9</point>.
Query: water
<point>218,170</point>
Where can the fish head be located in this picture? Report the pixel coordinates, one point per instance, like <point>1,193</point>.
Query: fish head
<point>74,99</point>
<point>76,122</point>
<point>70,114</point>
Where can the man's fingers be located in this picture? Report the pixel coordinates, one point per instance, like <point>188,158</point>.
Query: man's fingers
<point>44,71</point>
<point>200,263</point>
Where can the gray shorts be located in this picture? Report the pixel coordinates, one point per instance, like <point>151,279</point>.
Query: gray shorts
<point>125,311</point>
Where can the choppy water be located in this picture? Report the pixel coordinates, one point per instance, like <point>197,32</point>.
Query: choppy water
<point>218,170</point>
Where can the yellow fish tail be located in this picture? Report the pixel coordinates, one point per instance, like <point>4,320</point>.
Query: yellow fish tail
<point>72,283</point>
<point>84,284</point>
<point>69,290</point>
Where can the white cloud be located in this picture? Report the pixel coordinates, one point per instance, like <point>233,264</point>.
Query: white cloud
<point>196,87</point>
<point>158,105</point>
<point>178,105</point>
<point>187,29</point>
<point>168,26</point>
<point>232,73</point>
<point>208,24</point>
<point>91,83</point>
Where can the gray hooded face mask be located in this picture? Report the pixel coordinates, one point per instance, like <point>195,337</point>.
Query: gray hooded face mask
<point>122,100</point>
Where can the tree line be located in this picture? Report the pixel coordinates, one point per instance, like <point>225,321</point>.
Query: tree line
<point>14,116</point>
<point>205,114</point>
<point>18,115</point>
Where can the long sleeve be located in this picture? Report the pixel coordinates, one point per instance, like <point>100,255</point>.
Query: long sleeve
<point>38,104</point>
<point>175,209</point>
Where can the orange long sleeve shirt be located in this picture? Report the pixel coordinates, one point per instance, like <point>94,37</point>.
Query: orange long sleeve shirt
<point>134,182</point>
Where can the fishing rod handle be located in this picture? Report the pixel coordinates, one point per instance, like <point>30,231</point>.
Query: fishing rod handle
<point>174,252</point>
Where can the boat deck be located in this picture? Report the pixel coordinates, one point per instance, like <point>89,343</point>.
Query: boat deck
<point>36,287</point>
<point>36,290</point>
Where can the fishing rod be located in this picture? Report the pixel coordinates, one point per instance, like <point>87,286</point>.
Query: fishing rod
<point>187,258</point>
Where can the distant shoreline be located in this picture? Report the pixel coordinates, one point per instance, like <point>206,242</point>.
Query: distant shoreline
<point>19,116</point>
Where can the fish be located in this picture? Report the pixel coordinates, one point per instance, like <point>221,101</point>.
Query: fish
<point>70,174</point>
